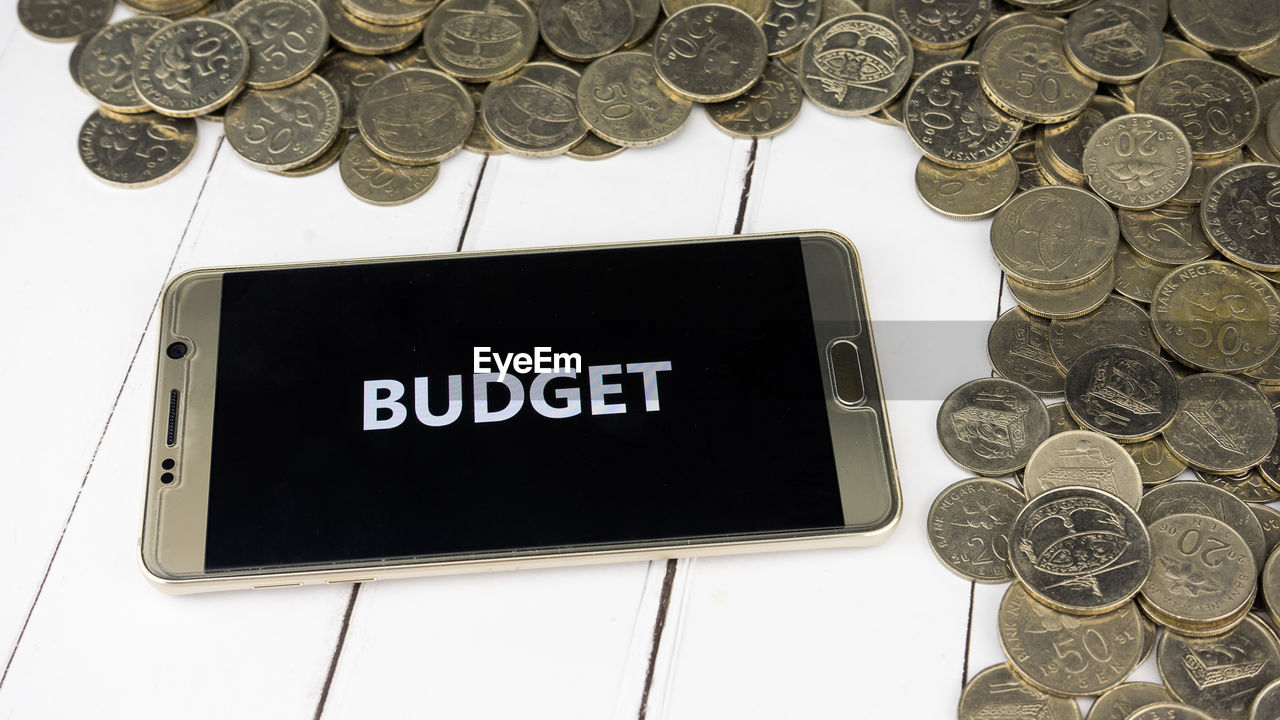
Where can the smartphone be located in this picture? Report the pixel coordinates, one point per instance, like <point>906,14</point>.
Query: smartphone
<point>364,420</point>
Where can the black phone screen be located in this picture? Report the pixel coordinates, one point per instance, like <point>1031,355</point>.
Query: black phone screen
<point>354,421</point>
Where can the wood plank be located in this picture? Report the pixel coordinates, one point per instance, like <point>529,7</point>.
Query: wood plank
<point>820,634</point>
<point>80,269</point>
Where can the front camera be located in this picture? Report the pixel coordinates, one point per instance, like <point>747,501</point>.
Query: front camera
<point>177,350</point>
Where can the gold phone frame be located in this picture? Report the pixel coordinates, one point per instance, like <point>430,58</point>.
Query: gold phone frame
<point>172,539</point>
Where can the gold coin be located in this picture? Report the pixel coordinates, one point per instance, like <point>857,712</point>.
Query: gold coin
<point>1168,235</point>
<point>350,74</point>
<point>136,151</point>
<point>327,159</point>
<point>191,67</point>
<point>285,128</point>
<point>480,40</point>
<point>390,12</point>
<point>1055,237</point>
<point>1230,27</point>
<point>574,33</point>
<point>381,182</point>
<point>924,22</point>
<point>416,117</point>
<point>61,21</point>
<point>286,39</point>
<point>623,101</point>
<point>1121,702</point>
<point>710,52</point>
<point>1217,117</point>
<point>951,121</point>
<point>1066,303</point>
<point>758,10</point>
<point>1137,162</point>
<point>1083,458</point>
<point>967,193</point>
<point>1026,73</point>
<point>1187,667</point>
<point>1217,316</point>
<point>1223,425</point>
<point>1136,276</point>
<point>768,108</point>
<point>593,147</point>
<point>997,692</point>
<point>1065,654</point>
<point>534,113</point>
<point>844,78</point>
<point>106,66</point>
<point>366,38</point>
<point>1156,464</point>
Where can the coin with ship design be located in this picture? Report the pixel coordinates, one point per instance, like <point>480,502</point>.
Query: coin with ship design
<point>1018,348</point>
<point>1223,425</point>
<point>1122,392</point>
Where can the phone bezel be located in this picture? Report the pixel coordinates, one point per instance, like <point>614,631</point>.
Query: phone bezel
<point>174,514</point>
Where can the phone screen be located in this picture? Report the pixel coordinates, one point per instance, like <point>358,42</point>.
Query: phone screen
<point>362,412</point>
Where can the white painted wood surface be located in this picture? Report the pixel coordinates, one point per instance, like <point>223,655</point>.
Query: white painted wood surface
<point>876,633</point>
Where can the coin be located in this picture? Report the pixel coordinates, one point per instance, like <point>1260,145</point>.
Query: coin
<point>534,113</point>
<point>1249,486</point>
<point>1203,499</point>
<point>165,8</point>
<point>621,99</point>
<point>1080,550</point>
<point>1239,215</point>
<point>1008,20</point>
<point>593,147</point>
<point>581,30</point>
<point>285,128</point>
<point>1227,27</point>
<point>381,182</point>
<point>1122,701</point>
<point>1270,466</point>
<point>191,67</point>
<point>1258,144</point>
<point>1116,322</point>
<point>73,62</point>
<point>1026,73</point>
<point>1060,421</point>
<point>997,693</point>
<point>106,66</point>
<point>951,121</point>
<point>1264,61</point>
<point>1085,459</point>
<point>1068,654</point>
<point>855,64</point>
<point>757,9</point>
<point>1055,237</point>
<point>1018,347</point>
<point>1029,175</point>
<point>415,117</point>
<point>366,38</point>
<point>1122,392</point>
<point>1136,276</point>
<point>1168,235</point>
<point>1269,518</point>
<point>1155,463</point>
<point>136,150</point>
<point>1216,316</point>
<point>350,74</point>
<point>1223,425</point>
<point>1062,145</point>
<point>969,528</point>
<point>389,12</point>
<point>1064,304</point>
<point>1270,583</point>
<point>1168,711</point>
<point>990,426</point>
<point>1203,570</point>
<point>326,160</point>
<point>60,20</point>
<point>480,141</point>
<point>1220,675</point>
<point>1266,706</point>
<point>1137,162</point>
<point>710,53</point>
<point>286,39</point>
<point>414,56</point>
<point>1113,42</point>
<point>790,22</point>
<point>1202,171</point>
<point>941,27</point>
<point>1213,104</point>
<point>768,108</point>
<point>966,193</point>
<point>480,40</point>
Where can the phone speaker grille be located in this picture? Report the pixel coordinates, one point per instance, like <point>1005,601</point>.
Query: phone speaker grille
<point>171,436</point>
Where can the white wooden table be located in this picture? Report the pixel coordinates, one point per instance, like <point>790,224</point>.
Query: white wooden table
<point>881,633</point>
